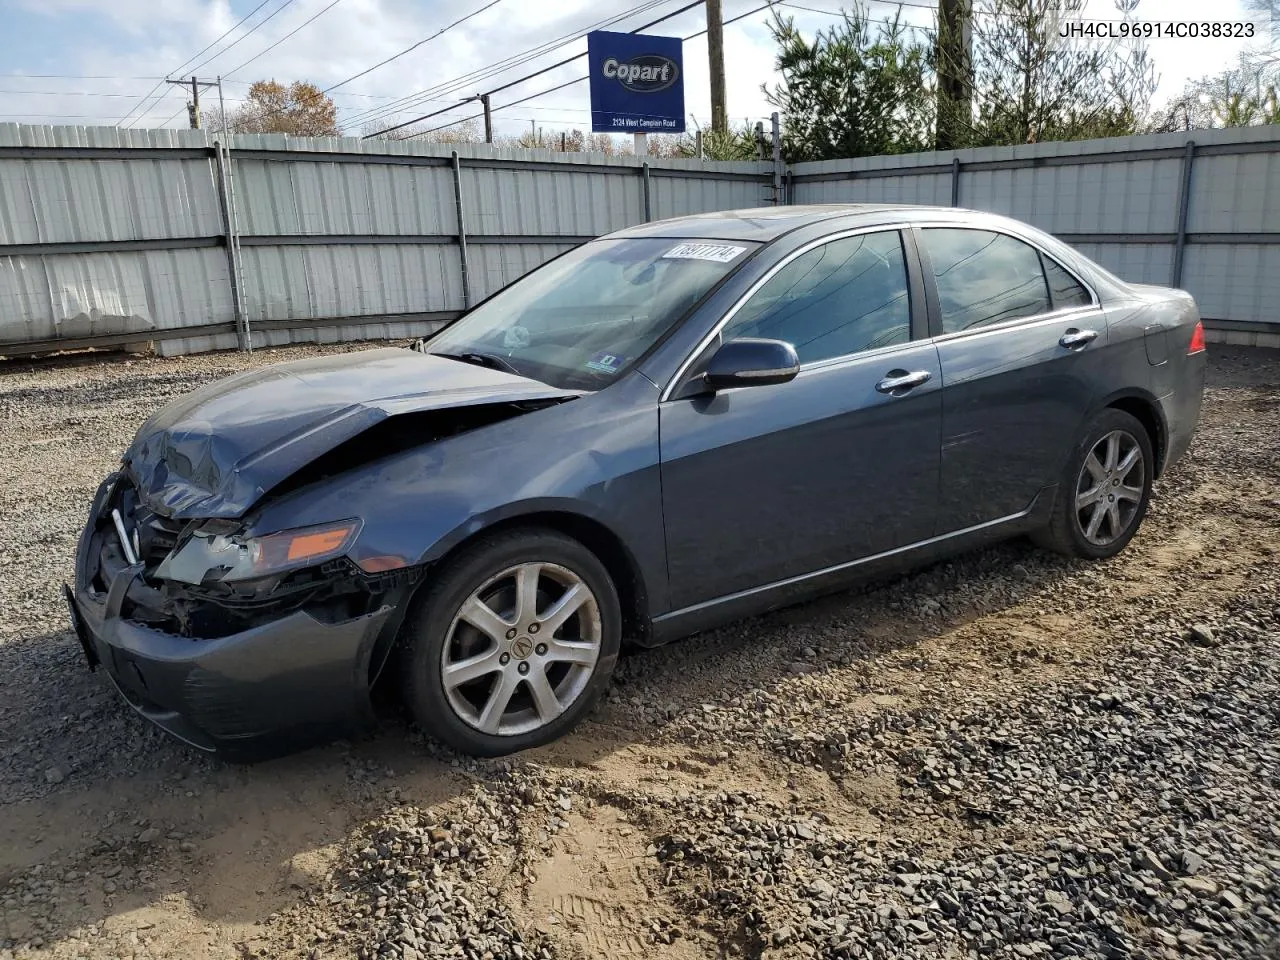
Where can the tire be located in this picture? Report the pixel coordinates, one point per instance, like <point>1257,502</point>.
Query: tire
<point>522,655</point>
<point>1080,505</point>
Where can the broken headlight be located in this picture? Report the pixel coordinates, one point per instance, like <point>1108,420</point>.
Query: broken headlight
<point>210,556</point>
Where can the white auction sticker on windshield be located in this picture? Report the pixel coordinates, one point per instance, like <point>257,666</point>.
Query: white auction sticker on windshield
<point>716,252</point>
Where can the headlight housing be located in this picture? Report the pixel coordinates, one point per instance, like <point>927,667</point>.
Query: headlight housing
<point>209,556</point>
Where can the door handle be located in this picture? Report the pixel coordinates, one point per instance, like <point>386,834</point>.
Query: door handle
<point>1074,339</point>
<point>899,382</point>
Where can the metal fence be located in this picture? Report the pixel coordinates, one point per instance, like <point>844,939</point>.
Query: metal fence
<point>169,237</point>
<point>119,236</point>
<point>1196,210</point>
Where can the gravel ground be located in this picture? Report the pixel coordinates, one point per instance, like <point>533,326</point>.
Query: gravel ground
<point>1006,755</point>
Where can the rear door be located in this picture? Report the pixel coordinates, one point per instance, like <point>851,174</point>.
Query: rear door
<point>766,483</point>
<point>1021,343</point>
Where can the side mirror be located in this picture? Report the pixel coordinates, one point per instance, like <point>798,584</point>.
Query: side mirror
<point>751,362</point>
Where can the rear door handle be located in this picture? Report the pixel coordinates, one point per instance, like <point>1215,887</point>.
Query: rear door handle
<point>898,382</point>
<point>1074,339</point>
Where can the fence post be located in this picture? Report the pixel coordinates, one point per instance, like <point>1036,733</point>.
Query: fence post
<point>776,133</point>
<point>462,231</point>
<point>226,203</point>
<point>791,187</point>
<point>1184,211</point>
<point>955,181</point>
<point>648,209</point>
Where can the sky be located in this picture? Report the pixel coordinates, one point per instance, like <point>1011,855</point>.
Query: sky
<point>92,62</point>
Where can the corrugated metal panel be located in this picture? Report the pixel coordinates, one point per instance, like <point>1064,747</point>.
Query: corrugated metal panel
<point>677,197</point>
<point>301,283</point>
<point>1236,193</point>
<point>493,266</point>
<point>1135,262</point>
<point>276,198</point>
<point>527,202</point>
<point>394,330</point>
<point>307,191</point>
<point>1234,283</point>
<point>108,293</point>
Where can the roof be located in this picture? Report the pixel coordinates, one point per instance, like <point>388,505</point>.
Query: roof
<point>767,223</point>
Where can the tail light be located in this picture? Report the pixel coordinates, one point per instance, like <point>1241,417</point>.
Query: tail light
<point>1197,339</point>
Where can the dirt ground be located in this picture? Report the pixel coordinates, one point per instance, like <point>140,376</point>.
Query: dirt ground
<point>1008,754</point>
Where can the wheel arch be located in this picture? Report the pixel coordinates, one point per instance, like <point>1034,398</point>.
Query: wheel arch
<point>1144,408</point>
<point>594,534</point>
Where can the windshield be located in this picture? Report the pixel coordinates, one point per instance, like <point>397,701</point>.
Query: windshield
<point>582,319</point>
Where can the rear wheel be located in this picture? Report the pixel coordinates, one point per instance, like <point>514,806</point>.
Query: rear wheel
<point>513,643</point>
<point>1104,492</point>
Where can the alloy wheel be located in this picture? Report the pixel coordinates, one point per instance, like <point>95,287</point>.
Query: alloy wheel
<point>1110,488</point>
<point>521,649</point>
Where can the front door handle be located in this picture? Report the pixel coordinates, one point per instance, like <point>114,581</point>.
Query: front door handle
<point>1074,339</point>
<point>898,382</point>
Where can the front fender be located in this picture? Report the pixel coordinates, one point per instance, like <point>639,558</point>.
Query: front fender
<point>594,457</point>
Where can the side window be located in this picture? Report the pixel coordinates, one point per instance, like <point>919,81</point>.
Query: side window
<point>843,297</point>
<point>984,278</point>
<point>1063,287</point>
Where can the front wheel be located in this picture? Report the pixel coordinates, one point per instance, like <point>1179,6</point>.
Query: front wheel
<point>513,643</point>
<point>1104,492</point>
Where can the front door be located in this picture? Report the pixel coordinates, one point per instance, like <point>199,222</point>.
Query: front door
<point>761,484</point>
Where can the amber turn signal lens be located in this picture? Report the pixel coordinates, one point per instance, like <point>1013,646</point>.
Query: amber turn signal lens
<point>307,545</point>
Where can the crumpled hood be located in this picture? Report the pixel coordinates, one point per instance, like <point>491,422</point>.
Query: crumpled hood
<point>216,451</point>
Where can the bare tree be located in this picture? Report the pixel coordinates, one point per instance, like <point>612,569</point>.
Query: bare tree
<point>1244,96</point>
<point>299,109</point>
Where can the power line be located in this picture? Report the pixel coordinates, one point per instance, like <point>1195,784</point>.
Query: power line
<point>207,60</point>
<point>283,39</point>
<point>244,36</point>
<point>383,63</point>
<point>424,96</point>
<point>267,50</point>
<point>415,46</point>
<point>570,83</point>
<point>536,73</point>
<point>182,65</point>
<point>841,13</point>
<point>66,76</point>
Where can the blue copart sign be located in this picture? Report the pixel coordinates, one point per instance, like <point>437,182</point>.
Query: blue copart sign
<point>637,83</point>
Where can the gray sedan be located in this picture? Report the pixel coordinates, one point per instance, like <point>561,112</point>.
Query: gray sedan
<point>673,426</point>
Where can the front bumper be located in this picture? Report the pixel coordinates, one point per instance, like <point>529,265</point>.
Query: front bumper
<point>277,687</point>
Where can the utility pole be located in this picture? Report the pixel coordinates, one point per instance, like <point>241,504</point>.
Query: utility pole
<point>488,118</point>
<point>715,55</point>
<point>193,108</point>
<point>955,72</point>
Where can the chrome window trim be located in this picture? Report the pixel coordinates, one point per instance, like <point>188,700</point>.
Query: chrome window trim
<point>688,361</point>
<point>1035,318</point>
<point>1094,304</point>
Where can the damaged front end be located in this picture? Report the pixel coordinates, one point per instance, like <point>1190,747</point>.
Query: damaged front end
<point>253,641</point>
<point>246,666</point>
<point>204,580</point>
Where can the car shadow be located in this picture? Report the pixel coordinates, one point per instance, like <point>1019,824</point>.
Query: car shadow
<point>90,791</point>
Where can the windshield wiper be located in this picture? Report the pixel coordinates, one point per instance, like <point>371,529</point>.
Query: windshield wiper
<point>492,361</point>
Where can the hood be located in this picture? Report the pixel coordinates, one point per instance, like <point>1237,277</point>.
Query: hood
<point>216,451</point>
